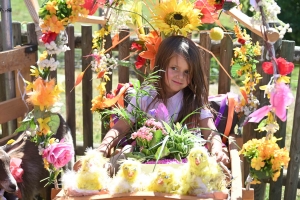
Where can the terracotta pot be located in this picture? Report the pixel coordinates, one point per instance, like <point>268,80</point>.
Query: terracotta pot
<point>54,192</point>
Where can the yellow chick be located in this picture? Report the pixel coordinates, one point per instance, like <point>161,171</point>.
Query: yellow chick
<point>92,175</point>
<point>128,179</point>
<point>164,180</point>
<point>203,174</point>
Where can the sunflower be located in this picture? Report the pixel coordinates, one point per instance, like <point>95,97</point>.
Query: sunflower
<point>176,18</point>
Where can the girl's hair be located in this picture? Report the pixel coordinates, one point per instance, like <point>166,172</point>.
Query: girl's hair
<point>195,95</point>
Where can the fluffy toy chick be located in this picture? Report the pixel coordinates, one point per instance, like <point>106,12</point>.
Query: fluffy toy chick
<point>128,179</point>
<point>203,173</point>
<point>92,175</point>
<point>164,180</point>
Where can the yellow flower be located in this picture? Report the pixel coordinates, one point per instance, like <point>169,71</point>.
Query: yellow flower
<point>10,141</point>
<point>34,71</point>
<point>283,79</point>
<point>43,125</point>
<point>257,163</point>
<point>276,175</point>
<point>46,164</point>
<point>51,7</point>
<point>43,55</point>
<point>176,18</point>
<point>52,140</point>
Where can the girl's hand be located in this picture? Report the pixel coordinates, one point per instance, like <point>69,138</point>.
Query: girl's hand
<point>221,156</point>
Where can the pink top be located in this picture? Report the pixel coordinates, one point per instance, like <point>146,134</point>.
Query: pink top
<point>173,107</point>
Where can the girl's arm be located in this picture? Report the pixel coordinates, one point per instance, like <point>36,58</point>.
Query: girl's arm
<point>215,141</point>
<point>113,136</point>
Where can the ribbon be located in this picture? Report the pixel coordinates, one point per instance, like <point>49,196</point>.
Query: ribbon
<point>280,98</point>
<point>223,99</point>
<point>16,169</point>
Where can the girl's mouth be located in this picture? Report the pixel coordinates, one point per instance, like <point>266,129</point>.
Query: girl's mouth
<point>177,82</point>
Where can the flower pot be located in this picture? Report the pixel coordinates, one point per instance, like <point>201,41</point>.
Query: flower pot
<point>54,192</point>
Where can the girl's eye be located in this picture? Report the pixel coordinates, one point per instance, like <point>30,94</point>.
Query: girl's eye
<point>173,68</point>
<point>186,72</point>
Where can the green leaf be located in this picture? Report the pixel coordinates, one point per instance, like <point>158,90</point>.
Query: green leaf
<point>161,152</point>
<point>157,136</point>
<point>136,155</point>
<point>177,157</point>
<point>234,69</point>
<point>23,127</point>
<point>54,123</point>
<point>146,152</point>
<point>262,123</point>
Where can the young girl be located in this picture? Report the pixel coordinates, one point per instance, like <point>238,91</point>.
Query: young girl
<point>182,88</point>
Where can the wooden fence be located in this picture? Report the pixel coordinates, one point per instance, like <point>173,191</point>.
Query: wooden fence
<point>20,58</point>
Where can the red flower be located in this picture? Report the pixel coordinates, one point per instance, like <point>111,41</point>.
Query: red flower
<point>284,67</point>
<point>241,41</point>
<point>209,15</point>
<point>93,5</point>
<point>136,46</point>
<point>49,37</point>
<point>219,4</point>
<point>139,62</point>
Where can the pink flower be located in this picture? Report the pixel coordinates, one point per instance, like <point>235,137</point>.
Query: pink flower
<point>59,154</point>
<point>16,169</point>
<point>162,112</point>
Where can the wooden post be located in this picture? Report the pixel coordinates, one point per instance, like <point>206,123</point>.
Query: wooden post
<point>124,51</point>
<point>226,53</point>
<point>70,81</point>
<point>275,192</point>
<point>205,42</point>
<point>108,44</point>
<point>290,191</point>
<point>87,87</point>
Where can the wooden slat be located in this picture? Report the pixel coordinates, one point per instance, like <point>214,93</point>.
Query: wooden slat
<point>131,196</point>
<point>124,50</point>
<point>236,170</point>
<point>69,83</point>
<point>205,42</point>
<point>16,58</point>
<point>12,109</point>
<point>92,20</point>
<point>87,87</point>
<point>226,53</point>
<point>290,191</point>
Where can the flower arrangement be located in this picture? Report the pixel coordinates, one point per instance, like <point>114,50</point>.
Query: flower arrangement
<point>266,158</point>
<point>158,140</point>
<point>42,123</point>
<point>244,65</point>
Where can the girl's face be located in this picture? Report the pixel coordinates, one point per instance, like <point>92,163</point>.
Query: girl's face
<point>177,75</point>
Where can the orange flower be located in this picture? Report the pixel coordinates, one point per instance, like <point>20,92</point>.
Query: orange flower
<point>44,94</point>
<point>152,42</point>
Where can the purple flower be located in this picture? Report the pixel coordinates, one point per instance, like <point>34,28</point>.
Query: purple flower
<point>162,112</point>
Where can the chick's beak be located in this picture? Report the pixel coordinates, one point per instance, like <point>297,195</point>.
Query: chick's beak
<point>197,161</point>
<point>160,181</point>
<point>130,174</point>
